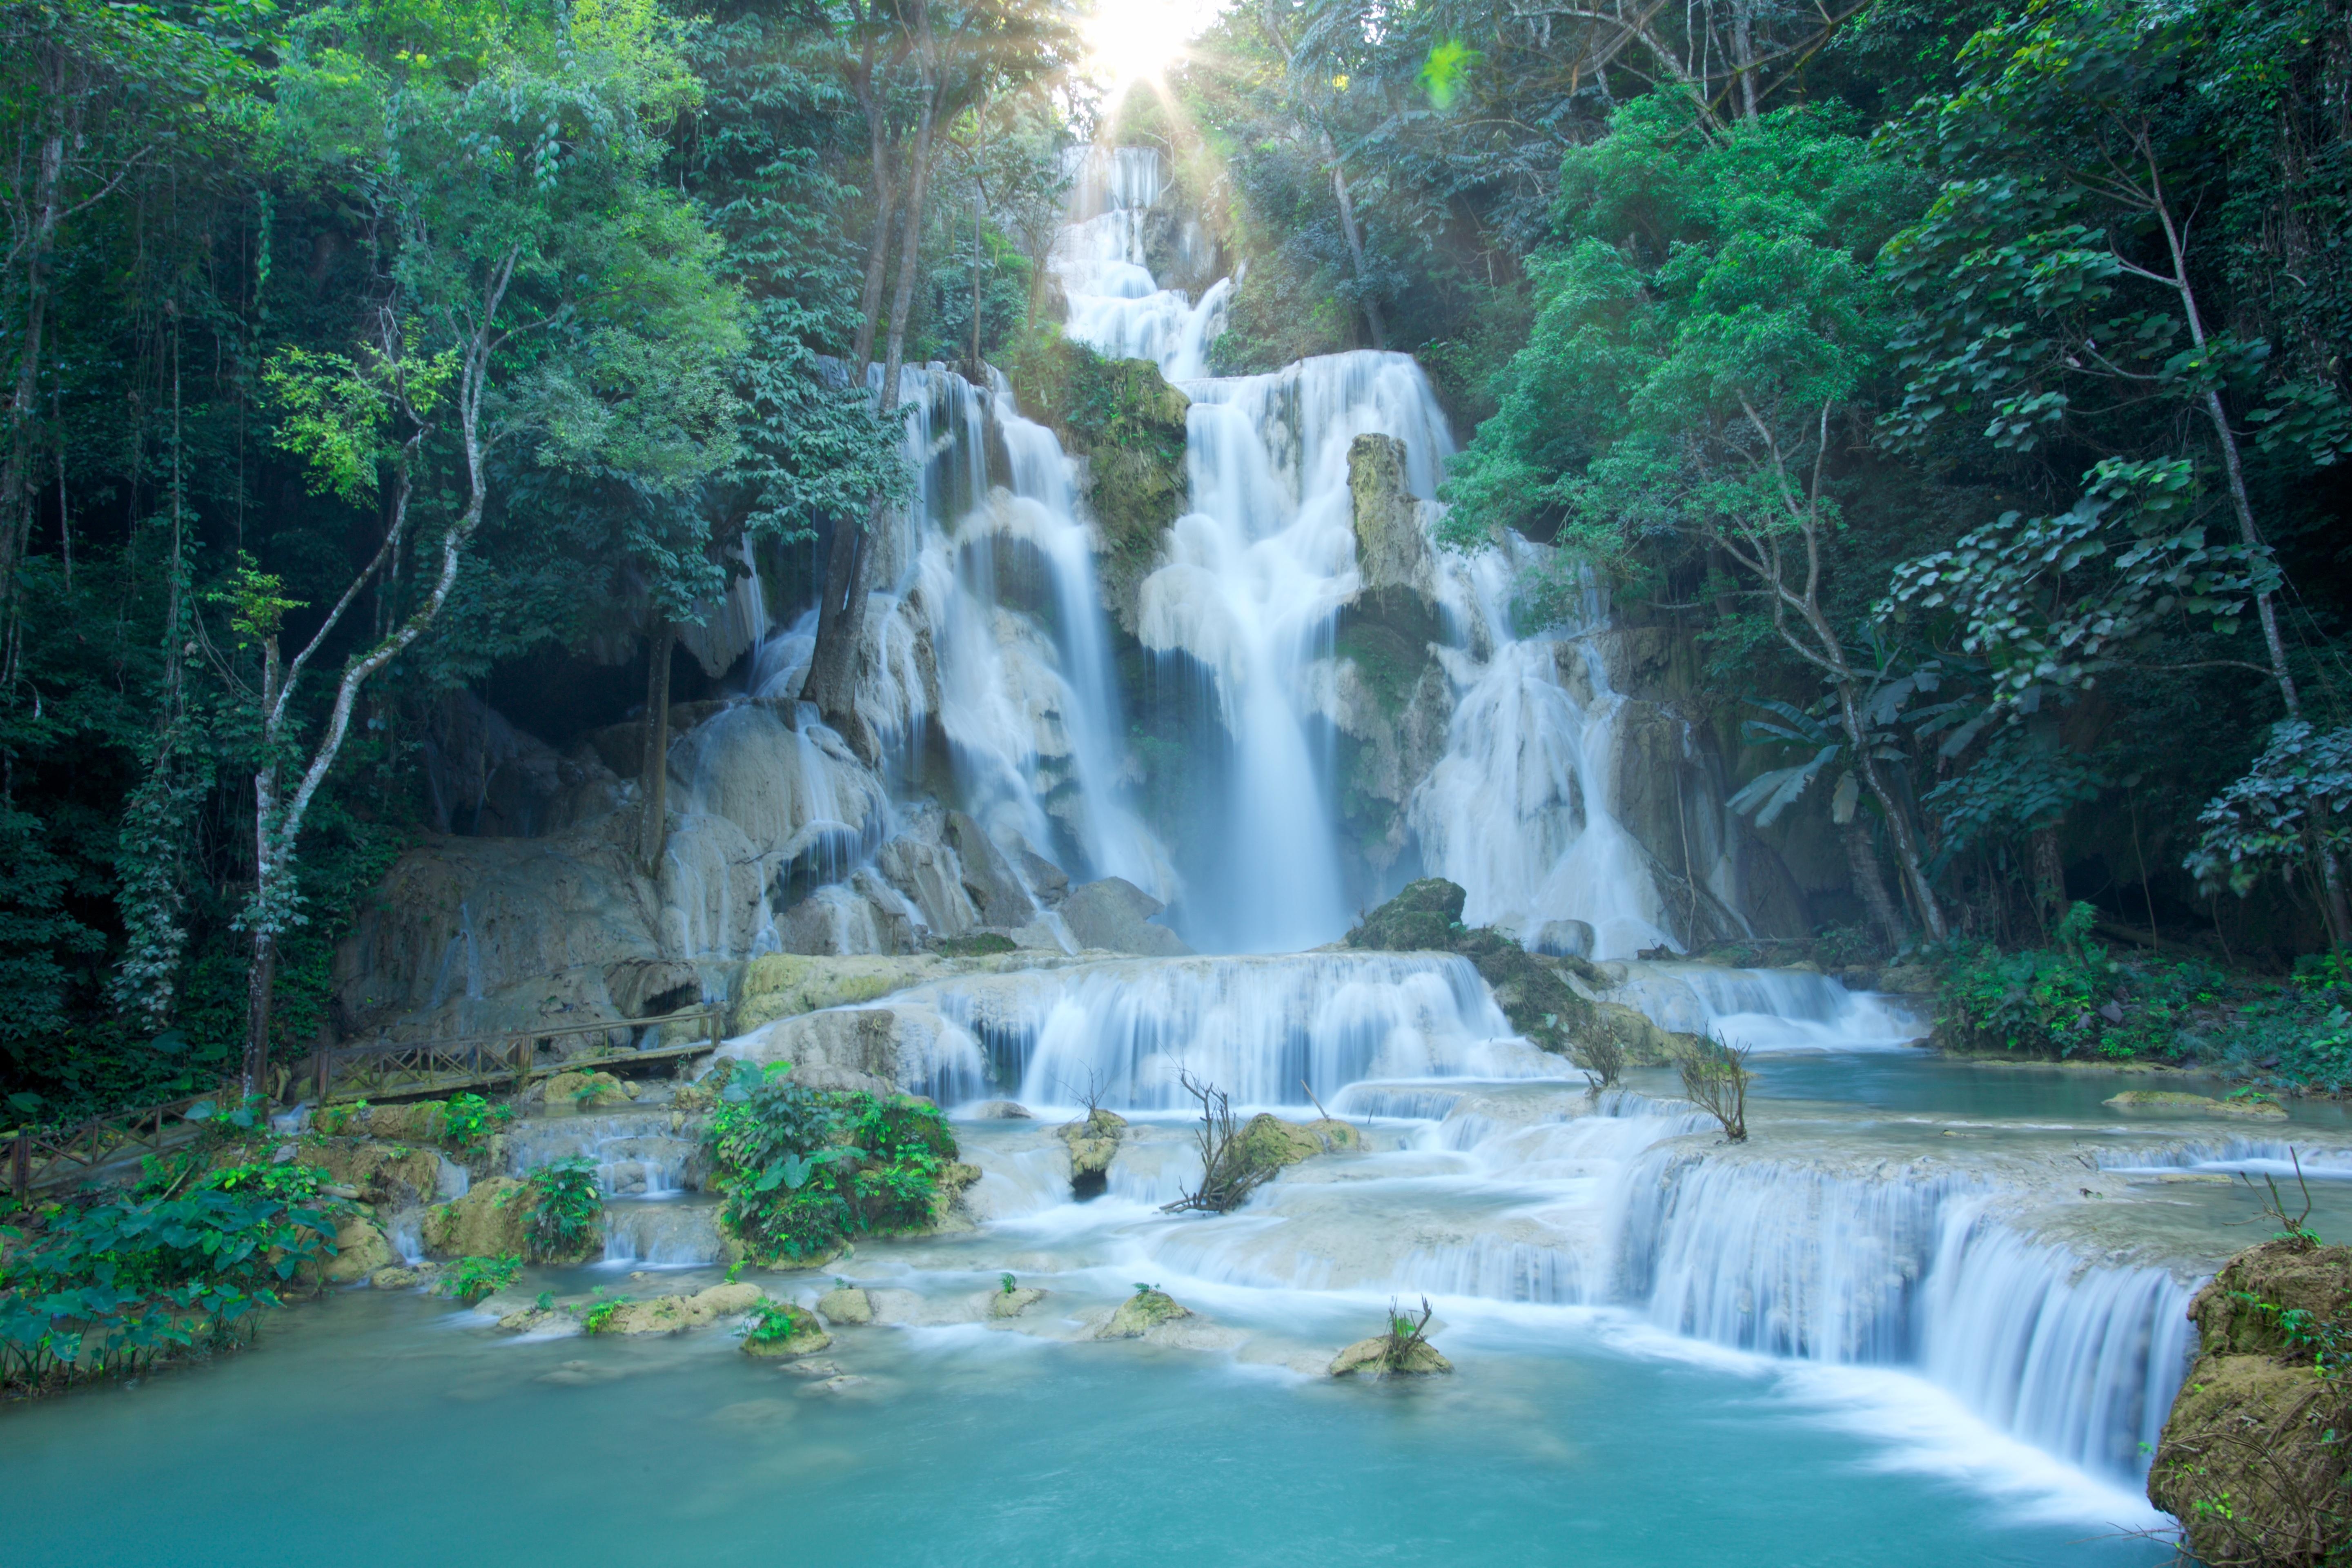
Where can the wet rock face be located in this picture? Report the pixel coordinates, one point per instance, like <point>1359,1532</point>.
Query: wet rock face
<point>2252,1461</point>
<point>491,1220</point>
<point>1424,917</point>
<point>1114,915</point>
<point>1392,552</point>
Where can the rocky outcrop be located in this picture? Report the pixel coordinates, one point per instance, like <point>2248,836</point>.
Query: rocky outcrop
<point>784,1331</point>
<point>1268,1142</point>
<point>586,1091</point>
<point>2202,1104</point>
<point>1379,1358</point>
<point>1391,549</point>
<point>390,1175</point>
<point>784,985</point>
<point>1140,1313</point>
<point>1014,1303</point>
<point>1115,915</point>
<point>361,1251</point>
<point>1531,990</point>
<point>846,1304</point>
<point>491,1220</point>
<point>1092,1143</point>
<point>2251,1461</point>
<point>988,878</point>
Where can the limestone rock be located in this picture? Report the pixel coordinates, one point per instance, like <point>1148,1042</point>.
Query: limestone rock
<point>648,987</point>
<point>587,1090</point>
<point>1908,979</point>
<point>1003,1111</point>
<point>784,985</point>
<point>396,1279</point>
<point>1115,914</point>
<point>1371,1358</point>
<point>490,1221</point>
<point>1390,550</point>
<point>846,1304</point>
<point>360,1251</point>
<point>1424,917</point>
<point>1092,1143</point>
<point>388,1175</point>
<point>803,1334</point>
<point>995,892</point>
<point>1013,1303</point>
<point>1269,1141</point>
<point>2206,1105</point>
<point>419,1121</point>
<point>676,1314</point>
<point>1140,1314</point>
<point>2250,1449</point>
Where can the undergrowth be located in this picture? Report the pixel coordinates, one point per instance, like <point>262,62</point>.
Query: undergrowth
<point>804,1170</point>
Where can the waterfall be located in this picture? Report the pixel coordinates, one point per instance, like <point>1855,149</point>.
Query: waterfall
<point>1905,1268</point>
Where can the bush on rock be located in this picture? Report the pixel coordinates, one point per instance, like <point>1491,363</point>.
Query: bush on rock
<point>804,1170</point>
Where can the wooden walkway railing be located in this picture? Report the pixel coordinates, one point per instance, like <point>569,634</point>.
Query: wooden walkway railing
<point>37,1160</point>
<point>382,1071</point>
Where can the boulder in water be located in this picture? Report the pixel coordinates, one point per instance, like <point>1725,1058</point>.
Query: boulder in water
<point>1115,915</point>
<point>396,1279</point>
<point>1003,1111</point>
<point>785,1331</point>
<point>2204,1104</point>
<point>1377,1358</point>
<point>1014,1303</point>
<point>491,1220</point>
<point>1269,1142</point>
<point>2251,1460</point>
<point>676,1314</point>
<point>360,1251</point>
<point>1425,917</point>
<point>846,1304</point>
<point>1094,1142</point>
<point>1140,1313</point>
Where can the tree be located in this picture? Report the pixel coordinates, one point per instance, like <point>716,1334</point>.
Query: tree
<point>2057,287</point>
<point>548,299</point>
<point>1713,320</point>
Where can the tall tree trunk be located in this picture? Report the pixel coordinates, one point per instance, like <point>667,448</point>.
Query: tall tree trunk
<point>24,396</point>
<point>832,665</point>
<point>1743,54</point>
<point>2049,873</point>
<point>653,783</point>
<point>261,976</point>
<point>842,551</point>
<point>1870,880</point>
<point>1355,247</point>
<point>2334,902</point>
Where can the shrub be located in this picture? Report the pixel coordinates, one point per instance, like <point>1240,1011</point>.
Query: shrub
<point>806,1169</point>
<point>469,1280</point>
<point>468,1119</point>
<point>567,1209</point>
<point>598,1315</point>
<point>1714,1076</point>
<point>113,1287</point>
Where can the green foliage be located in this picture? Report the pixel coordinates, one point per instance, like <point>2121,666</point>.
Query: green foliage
<point>120,1284</point>
<point>772,1322</point>
<point>981,944</point>
<point>567,1207</point>
<point>804,1170</point>
<point>471,1280</point>
<point>2285,814</point>
<point>2076,999</point>
<point>598,1315</point>
<point>467,1121</point>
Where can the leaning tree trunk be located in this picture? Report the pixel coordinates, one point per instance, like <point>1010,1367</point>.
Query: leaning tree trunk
<point>1870,880</point>
<point>652,783</point>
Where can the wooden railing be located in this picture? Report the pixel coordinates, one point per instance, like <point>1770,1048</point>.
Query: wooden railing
<point>379,1071</point>
<point>38,1159</point>
<point>389,1070</point>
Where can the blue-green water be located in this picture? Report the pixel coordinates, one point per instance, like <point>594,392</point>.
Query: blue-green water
<point>396,1430</point>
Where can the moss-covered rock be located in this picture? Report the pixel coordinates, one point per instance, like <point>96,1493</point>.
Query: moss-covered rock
<point>361,1251</point>
<point>2203,1104</point>
<point>587,1090</point>
<point>491,1220</point>
<point>786,985</point>
<point>846,1304</point>
<point>1093,1143</point>
<point>2251,1460</point>
<point>785,1331</point>
<point>1128,423</point>
<point>1376,1358</point>
<point>1014,1303</point>
<point>393,1175</point>
<point>1269,1142</point>
<point>421,1121</point>
<point>1425,917</point>
<point>1140,1313</point>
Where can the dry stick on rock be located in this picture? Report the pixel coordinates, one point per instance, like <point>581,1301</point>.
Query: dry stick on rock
<point>1404,1335</point>
<point>1228,1175</point>
<point>1600,1057</point>
<point>1715,1079</point>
